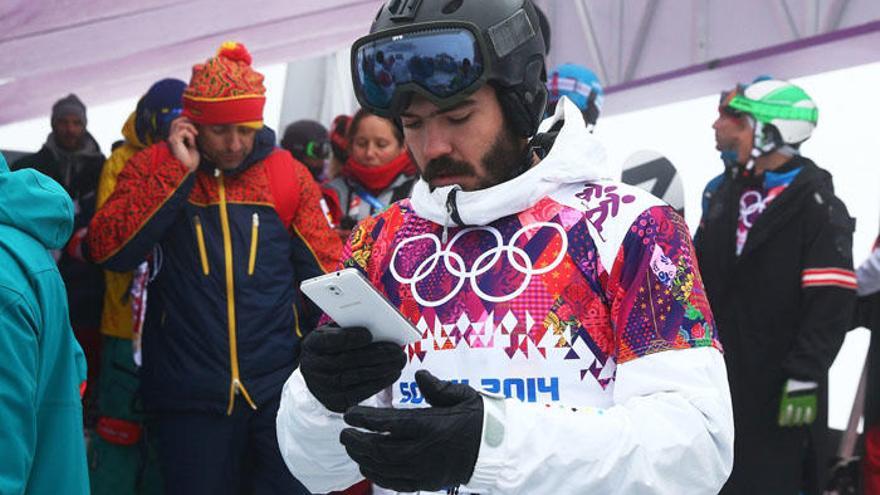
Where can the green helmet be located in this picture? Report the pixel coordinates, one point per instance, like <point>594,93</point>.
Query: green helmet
<point>784,114</point>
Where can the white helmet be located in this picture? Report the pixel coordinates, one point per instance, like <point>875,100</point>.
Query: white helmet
<point>784,114</point>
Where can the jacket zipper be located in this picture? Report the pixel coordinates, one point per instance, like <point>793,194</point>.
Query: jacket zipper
<point>235,386</point>
<point>255,229</point>
<point>200,239</point>
<point>296,322</point>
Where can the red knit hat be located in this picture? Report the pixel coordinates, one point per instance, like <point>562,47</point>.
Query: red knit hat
<point>226,90</point>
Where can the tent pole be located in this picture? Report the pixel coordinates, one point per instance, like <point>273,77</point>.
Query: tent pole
<point>592,43</point>
<point>638,48</point>
<point>835,15</point>
<point>792,26</point>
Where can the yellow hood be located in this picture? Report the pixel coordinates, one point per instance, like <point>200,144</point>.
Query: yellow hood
<point>129,132</point>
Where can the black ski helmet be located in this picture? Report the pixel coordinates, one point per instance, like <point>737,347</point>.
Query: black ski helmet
<point>510,55</point>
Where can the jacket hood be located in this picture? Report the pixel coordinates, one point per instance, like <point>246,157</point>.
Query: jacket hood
<point>35,204</point>
<point>129,132</point>
<point>576,157</point>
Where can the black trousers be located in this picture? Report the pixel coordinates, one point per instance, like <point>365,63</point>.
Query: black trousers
<point>216,454</point>
<point>771,462</point>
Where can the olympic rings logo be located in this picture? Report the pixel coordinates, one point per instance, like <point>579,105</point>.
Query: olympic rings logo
<point>455,265</point>
<point>750,204</point>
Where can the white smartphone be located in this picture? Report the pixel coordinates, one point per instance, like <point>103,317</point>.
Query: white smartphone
<point>349,298</point>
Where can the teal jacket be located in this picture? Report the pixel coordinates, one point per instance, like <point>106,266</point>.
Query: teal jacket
<point>41,365</point>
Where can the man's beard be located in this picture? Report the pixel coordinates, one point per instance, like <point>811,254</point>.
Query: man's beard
<point>506,159</point>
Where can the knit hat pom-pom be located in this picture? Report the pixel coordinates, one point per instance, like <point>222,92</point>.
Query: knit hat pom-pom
<point>235,51</point>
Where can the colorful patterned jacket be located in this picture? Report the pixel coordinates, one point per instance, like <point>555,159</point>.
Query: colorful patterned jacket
<point>576,298</point>
<point>224,316</point>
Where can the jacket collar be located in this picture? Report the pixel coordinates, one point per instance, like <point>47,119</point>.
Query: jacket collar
<point>576,157</point>
<point>89,150</point>
<point>779,211</point>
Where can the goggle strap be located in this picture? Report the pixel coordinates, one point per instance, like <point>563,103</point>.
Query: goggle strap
<point>511,33</point>
<point>768,111</point>
<point>570,84</point>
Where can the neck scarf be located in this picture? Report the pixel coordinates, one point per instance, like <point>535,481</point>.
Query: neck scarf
<point>377,179</point>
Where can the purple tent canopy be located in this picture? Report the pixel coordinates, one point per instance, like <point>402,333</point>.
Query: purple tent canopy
<point>110,49</point>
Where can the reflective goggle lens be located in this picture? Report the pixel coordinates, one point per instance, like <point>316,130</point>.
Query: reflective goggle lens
<point>164,118</point>
<point>319,150</point>
<point>443,62</point>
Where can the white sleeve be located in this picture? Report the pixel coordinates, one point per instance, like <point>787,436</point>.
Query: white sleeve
<point>868,274</point>
<point>669,432</point>
<point>308,436</point>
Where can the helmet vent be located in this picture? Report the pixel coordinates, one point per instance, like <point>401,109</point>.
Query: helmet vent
<point>452,6</point>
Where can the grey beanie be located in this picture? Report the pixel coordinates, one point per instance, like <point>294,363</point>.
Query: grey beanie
<point>69,105</point>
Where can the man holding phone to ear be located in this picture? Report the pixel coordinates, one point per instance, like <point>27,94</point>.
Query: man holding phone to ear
<point>561,311</point>
<point>234,223</point>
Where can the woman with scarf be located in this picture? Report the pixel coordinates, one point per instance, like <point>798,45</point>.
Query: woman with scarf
<point>378,171</point>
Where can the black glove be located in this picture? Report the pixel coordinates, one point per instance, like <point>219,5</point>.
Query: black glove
<point>342,366</point>
<point>424,449</point>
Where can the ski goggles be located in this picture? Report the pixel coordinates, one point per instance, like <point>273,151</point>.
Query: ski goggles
<point>163,118</point>
<point>568,86</point>
<point>727,111</point>
<point>724,107</point>
<point>443,62</point>
<point>314,149</point>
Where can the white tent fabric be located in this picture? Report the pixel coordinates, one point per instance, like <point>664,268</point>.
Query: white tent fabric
<point>630,40</point>
<point>324,95</point>
<point>105,50</point>
<point>110,49</point>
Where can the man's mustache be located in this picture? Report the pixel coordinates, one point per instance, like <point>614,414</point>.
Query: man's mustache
<point>446,166</point>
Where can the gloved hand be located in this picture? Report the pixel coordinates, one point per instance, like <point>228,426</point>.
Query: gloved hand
<point>343,366</point>
<point>799,403</point>
<point>419,449</point>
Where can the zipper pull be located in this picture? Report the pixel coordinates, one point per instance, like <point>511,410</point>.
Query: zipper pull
<point>217,172</point>
<point>255,219</point>
<point>451,212</point>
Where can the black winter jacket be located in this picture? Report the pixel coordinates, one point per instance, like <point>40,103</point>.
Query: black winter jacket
<point>783,306</point>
